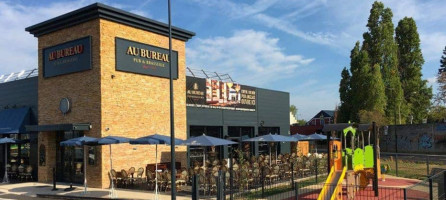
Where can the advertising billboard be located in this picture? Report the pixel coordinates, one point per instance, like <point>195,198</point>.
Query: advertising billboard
<point>209,93</point>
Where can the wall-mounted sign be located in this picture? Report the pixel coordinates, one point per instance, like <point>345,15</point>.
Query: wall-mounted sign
<point>208,93</point>
<point>68,57</point>
<point>145,59</point>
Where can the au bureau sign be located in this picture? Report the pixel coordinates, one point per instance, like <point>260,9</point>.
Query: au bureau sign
<point>68,57</point>
<point>144,59</point>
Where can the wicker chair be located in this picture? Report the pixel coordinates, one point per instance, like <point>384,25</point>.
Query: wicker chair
<point>139,175</point>
<point>124,179</point>
<point>150,179</point>
<point>28,174</point>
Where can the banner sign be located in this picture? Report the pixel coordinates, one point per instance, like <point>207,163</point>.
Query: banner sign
<point>208,93</point>
<point>144,59</point>
<point>68,57</point>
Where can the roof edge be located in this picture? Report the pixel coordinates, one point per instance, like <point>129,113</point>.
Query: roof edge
<point>99,10</point>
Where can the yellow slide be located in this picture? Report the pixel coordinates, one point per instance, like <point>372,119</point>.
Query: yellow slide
<point>333,185</point>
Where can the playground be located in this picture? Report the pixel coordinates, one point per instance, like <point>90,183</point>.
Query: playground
<point>357,173</point>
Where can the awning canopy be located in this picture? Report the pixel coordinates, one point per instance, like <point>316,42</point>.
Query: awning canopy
<point>59,127</point>
<point>341,127</point>
<point>13,121</point>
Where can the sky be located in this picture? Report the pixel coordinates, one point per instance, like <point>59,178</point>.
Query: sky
<point>296,46</point>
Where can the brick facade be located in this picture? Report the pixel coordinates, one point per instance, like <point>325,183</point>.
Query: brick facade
<point>115,103</point>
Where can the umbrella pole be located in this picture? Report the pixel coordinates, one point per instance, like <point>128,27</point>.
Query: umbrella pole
<point>204,158</point>
<point>112,190</point>
<point>269,145</point>
<point>276,153</point>
<point>85,169</point>
<point>5,179</point>
<point>156,171</point>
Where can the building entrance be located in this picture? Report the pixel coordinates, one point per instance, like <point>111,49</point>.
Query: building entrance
<point>69,160</point>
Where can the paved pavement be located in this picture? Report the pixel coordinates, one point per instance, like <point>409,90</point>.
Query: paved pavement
<point>32,190</point>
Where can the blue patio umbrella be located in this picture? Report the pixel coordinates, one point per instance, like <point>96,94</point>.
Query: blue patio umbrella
<point>109,140</point>
<point>6,141</point>
<point>155,139</point>
<point>300,137</point>
<point>271,138</point>
<point>206,141</point>
<point>317,136</point>
<point>81,141</point>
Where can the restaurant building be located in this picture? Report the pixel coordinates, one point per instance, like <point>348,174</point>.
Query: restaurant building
<point>103,71</point>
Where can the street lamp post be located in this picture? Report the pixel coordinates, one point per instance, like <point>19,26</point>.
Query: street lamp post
<point>172,126</point>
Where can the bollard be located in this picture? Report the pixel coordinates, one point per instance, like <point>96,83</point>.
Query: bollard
<point>195,195</point>
<point>54,179</point>
<point>431,191</point>
<point>296,190</point>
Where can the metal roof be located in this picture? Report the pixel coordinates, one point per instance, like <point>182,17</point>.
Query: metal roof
<point>18,75</point>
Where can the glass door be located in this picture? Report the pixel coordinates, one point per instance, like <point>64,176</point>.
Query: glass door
<point>69,160</point>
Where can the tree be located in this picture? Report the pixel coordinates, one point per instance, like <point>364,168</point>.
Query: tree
<point>344,93</point>
<point>293,110</point>
<point>372,38</point>
<point>360,71</point>
<point>376,91</point>
<point>441,79</point>
<point>417,94</point>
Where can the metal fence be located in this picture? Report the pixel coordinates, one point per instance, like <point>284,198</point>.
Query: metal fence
<point>417,166</point>
<point>289,187</point>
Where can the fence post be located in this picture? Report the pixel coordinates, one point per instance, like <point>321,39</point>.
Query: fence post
<point>296,190</point>
<point>444,183</point>
<point>405,193</point>
<point>219,184</point>
<point>292,175</point>
<point>195,187</point>
<point>263,181</point>
<point>427,165</point>
<point>431,191</point>
<point>224,184</point>
<point>396,164</point>
<point>231,176</point>
<point>317,168</point>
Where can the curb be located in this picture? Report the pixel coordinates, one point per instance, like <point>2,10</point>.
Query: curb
<point>55,196</point>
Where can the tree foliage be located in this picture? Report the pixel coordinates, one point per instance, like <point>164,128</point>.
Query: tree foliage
<point>293,110</point>
<point>374,88</point>
<point>344,92</point>
<point>417,94</point>
<point>441,79</point>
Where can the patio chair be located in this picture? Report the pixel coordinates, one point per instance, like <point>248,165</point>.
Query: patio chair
<point>28,174</point>
<point>21,169</point>
<point>183,179</point>
<point>162,181</point>
<point>202,183</point>
<point>150,179</point>
<point>139,175</point>
<point>13,172</point>
<point>113,177</point>
<point>124,179</point>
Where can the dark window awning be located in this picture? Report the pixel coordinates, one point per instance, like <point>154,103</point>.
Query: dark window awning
<point>59,127</point>
<point>13,121</point>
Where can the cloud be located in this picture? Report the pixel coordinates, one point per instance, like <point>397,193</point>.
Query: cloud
<point>18,47</point>
<point>249,56</point>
